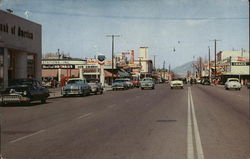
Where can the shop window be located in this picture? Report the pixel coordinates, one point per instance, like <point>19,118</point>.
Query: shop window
<point>31,65</point>
<point>1,68</point>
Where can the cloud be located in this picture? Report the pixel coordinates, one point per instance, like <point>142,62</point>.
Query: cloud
<point>195,22</point>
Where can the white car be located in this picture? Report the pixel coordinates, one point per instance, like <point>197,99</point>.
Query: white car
<point>176,83</point>
<point>233,83</point>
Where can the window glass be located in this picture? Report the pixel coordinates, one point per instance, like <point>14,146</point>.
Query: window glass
<point>31,65</point>
<point>1,68</point>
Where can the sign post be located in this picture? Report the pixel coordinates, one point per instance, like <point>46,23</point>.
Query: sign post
<point>101,59</point>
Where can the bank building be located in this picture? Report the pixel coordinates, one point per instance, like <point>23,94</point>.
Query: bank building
<point>20,48</point>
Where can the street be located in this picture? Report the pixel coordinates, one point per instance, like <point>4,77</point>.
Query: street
<point>196,122</point>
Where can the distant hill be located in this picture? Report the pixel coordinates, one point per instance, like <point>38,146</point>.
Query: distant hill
<point>182,70</point>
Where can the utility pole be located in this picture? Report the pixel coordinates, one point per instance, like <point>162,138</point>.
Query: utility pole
<point>169,71</point>
<point>215,45</point>
<point>164,69</point>
<point>209,63</point>
<point>113,37</point>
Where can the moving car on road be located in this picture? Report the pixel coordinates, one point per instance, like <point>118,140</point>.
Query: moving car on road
<point>76,86</point>
<point>119,84</point>
<point>96,86</point>
<point>206,81</point>
<point>233,83</point>
<point>176,83</point>
<point>147,83</point>
<point>24,91</point>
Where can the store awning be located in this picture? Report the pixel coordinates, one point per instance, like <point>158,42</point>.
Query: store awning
<point>123,74</point>
<point>109,74</point>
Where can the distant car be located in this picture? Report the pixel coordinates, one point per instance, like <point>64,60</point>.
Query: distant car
<point>136,83</point>
<point>206,82</point>
<point>119,84</point>
<point>24,91</point>
<point>96,86</point>
<point>233,83</point>
<point>248,85</point>
<point>198,81</point>
<point>76,86</point>
<point>147,83</point>
<point>176,83</point>
<point>129,82</point>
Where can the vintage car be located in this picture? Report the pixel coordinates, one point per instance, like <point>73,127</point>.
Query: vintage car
<point>119,84</point>
<point>205,81</point>
<point>96,86</point>
<point>76,86</point>
<point>176,83</point>
<point>147,82</point>
<point>233,83</point>
<point>24,91</point>
<point>248,85</point>
<point>129,83</point>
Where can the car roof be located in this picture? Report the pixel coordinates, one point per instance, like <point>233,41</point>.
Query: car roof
<point>76,79</point>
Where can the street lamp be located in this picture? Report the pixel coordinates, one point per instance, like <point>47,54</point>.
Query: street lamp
<point>113,36</point>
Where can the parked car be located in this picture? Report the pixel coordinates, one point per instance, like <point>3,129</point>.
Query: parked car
<point>248,85</point>
<point>136,83</point>
<point>96,86</point>
<point>119,84</point>
<point>76,86</point>
<point>206,81</point>
<point>233,83</point>
<point>147,83</point>
<point>129,83</point>
<point>176,83</point>
<point>24,91</point>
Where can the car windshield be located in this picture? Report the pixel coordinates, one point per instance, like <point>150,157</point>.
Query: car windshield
<point>21,82</point>
<point>233,80</point>
<point>75,81</point>
<point>119,81</point>
<point>147,79</point>
<point>92,80</point>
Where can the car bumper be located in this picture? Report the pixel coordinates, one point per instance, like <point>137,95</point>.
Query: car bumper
<point>14,99</point>
<point>72,92</point>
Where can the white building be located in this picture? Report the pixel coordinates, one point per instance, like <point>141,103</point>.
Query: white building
<point>234,64</point>
<point>20,48</point>
<point>146,64</point>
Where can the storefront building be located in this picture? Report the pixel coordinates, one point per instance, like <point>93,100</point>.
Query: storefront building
<point>20,48</point>
<point>59,69</point>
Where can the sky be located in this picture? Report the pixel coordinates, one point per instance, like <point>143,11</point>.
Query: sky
<point>79,27</point>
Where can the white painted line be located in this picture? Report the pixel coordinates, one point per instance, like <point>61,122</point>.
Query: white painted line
<point>25,137</point>
<point>200,154</point>
<point>84,116</point>
<point>190,146</point>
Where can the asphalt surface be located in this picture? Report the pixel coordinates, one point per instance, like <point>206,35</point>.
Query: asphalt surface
<point>192,123</point>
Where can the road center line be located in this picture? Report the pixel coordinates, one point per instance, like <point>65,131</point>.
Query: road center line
<point>24,137</point>
<point>84,116</point>
<point>200,154</point>
<point>190,146</point>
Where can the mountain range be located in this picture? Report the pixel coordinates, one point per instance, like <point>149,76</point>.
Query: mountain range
<point>182,70</point>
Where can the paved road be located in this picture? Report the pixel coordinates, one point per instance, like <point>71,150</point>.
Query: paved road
<point>194,123</point>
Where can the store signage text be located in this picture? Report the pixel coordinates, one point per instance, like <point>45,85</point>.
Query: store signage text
<point>58,66</point>
<point>240,63</point>
<point>14,30</point>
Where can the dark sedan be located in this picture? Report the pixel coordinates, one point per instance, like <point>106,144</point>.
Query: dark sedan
<point>24,91</point>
